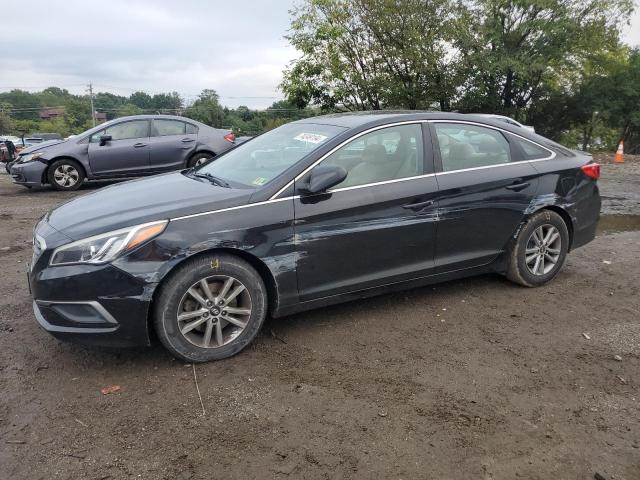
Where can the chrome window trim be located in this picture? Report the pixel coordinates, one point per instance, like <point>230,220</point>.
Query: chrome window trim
<point>274,198</point>
<point>384,182</point>
<point>337,147</point>
<point>551,156</point>
<point>406,122</point>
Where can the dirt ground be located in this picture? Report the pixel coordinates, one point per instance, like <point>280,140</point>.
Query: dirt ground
<point>472,379</point>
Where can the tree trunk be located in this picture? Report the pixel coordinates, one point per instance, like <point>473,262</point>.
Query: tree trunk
<point>507,94</point>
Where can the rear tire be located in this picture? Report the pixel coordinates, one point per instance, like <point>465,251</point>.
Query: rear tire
<point>199,159</point>
<point>539,251</point>
<point>200,322</point>
<point>65,174</point>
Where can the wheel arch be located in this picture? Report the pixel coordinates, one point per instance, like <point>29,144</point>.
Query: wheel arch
<point>260,266</point>
<point>197,152</point>
<point>45,172</point>
<point>564,215</point>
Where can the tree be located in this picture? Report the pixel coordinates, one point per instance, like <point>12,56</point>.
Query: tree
<point>511,49</point>
<point>77,113</point>
<point>25,105</point>
<point>141,100</point>
<point>207,109</point>
<point>129,109</point>
<point>621,95</point>
<point>109,103</point>
<point>6,124</point>
<point>167,101</point>
<point>370,54</point>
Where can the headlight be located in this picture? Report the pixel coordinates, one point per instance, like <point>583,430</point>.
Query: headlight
<point>106,247</point>
<point>29,157</point>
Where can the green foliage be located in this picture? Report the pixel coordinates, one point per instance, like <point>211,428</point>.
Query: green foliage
<point>129,109</point>
<point>207,109</point>
<point>370,54</point>
<point>6,124</point>
<point>77,111</point>
<point>141,100</point>
<point>513,48</point>
<point>555,64</point>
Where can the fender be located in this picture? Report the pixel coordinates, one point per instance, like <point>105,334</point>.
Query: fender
<point>49,161</point>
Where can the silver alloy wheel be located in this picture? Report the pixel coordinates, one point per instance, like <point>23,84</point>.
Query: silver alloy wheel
<point>66,175</point>
<point>202,160</point>
<point>543,249</point>
<point>214,311</point>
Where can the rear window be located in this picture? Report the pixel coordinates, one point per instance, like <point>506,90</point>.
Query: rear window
<point>530,150</point>
<point>163,128</point>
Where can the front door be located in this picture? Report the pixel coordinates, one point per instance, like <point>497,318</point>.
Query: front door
<point>127,153</point>
<point>376,227</point>
<point>485,190</point>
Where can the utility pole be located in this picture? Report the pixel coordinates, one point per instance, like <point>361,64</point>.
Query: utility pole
<point>93,111</point>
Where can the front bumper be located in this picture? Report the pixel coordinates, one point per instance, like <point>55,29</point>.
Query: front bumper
<point>28,174</point>
<point>90,304</point>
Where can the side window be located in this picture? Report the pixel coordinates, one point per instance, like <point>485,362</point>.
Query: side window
<point>386,154</point>
<point>162,128</point>
<point>530,150</point>
<point>95,138</point>
<point>127,130</point>
<point>469,146</point>
<point>191,129</point>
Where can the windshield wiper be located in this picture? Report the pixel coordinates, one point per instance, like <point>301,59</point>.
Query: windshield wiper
<point>213,179</point>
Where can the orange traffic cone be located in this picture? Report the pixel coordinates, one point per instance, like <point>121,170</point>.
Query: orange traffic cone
<point>619,158</point>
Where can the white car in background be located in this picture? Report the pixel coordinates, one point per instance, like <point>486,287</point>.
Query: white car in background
<point>505,119</point>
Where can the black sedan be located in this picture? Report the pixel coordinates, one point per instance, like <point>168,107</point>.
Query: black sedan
<point>312,213</point>
<point>125,147</point>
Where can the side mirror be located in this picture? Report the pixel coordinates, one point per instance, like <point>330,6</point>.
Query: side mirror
<point>322,178</point>
<point>104,139</point>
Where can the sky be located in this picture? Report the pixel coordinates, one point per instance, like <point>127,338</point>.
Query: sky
<point>236,47</point>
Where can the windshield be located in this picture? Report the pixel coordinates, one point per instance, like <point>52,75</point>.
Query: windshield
<point>260,160</point>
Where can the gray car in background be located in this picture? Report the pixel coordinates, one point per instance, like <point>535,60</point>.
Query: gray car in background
<point>124,147</point>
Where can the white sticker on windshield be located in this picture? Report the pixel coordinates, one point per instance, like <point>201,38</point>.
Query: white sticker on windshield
<point>310,137</point>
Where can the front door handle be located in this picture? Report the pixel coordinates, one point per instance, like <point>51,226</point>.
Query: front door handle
<point>139,145</point>
<point>518,186</point>
<point>185,140</point>
<point>418,206</point>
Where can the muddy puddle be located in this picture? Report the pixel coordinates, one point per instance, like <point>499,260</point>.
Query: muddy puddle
<point>618,223</point>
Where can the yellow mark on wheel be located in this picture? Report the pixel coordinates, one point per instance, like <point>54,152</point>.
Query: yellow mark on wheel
<point>215,264</point>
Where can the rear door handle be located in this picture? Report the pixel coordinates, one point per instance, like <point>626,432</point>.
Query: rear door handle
<point>186,140</point>
<point>139,145</point>
<point>518,186</point>
<point>418,206</point>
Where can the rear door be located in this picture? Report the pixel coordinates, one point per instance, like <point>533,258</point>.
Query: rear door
<point>126,154</point>
<point>172,143</point>
<point>485,189</point>
<point>379,225</point>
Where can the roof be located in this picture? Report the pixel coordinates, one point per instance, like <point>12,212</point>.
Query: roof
<point>356,119</point>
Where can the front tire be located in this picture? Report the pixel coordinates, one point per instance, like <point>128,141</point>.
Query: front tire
<point>539,250</point>
<point>210,308</point>
<point>199,159</point>
<point>65,174</point>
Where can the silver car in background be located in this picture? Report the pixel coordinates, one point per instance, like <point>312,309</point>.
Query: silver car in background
<point>125,147</point>
<point>505,119</point>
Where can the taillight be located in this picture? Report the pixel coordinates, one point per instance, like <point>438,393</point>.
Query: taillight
<point>591,170</point>
<point>230,137</point>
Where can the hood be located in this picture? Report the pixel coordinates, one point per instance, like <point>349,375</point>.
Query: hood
<point>41,146</point>
<point>139,201</point>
